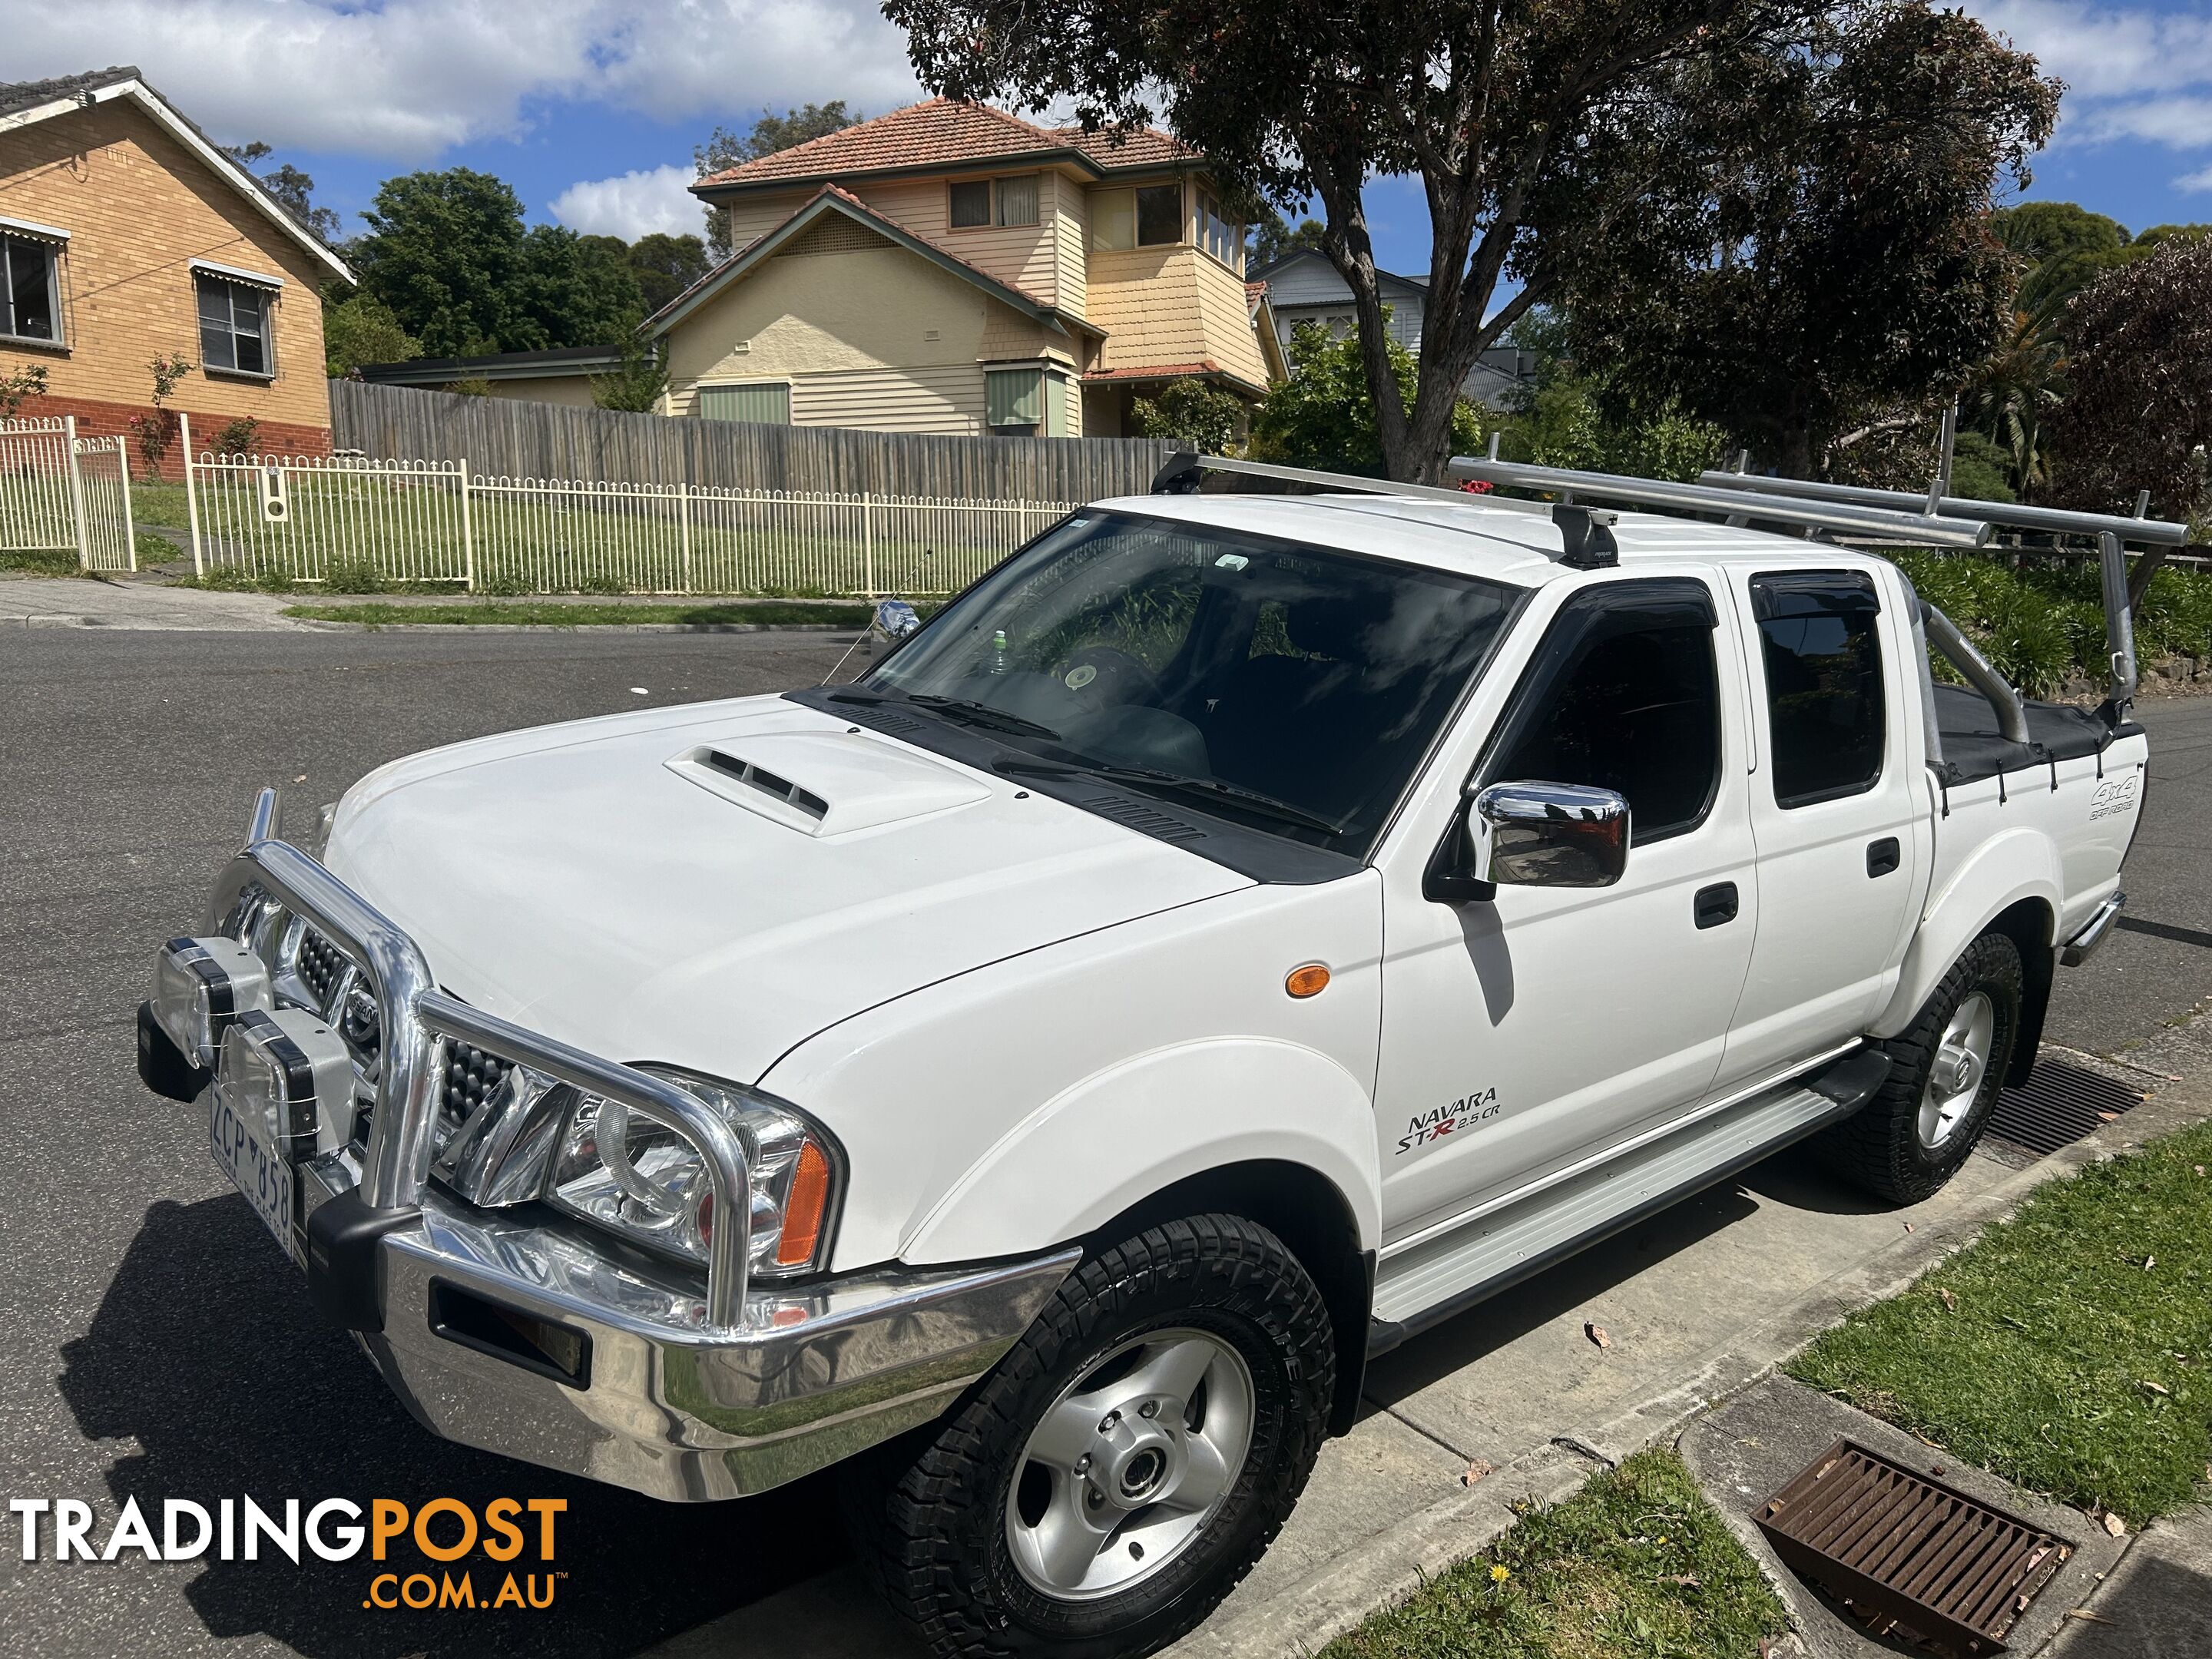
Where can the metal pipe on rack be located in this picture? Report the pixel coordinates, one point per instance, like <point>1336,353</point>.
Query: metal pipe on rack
<point>1908,528</point>
<point>2013,515</point>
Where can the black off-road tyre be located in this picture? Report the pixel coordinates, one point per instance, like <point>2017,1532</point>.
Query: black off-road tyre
<point>932,1527</point>
<point>1879,1147</point>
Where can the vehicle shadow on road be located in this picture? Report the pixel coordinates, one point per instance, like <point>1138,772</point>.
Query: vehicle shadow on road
<point>1582,1279</point>
<point>207,1352</point>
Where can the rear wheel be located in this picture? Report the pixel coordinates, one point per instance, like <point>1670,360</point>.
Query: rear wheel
<point>1947,1069</point>
<point>1125,1463</point>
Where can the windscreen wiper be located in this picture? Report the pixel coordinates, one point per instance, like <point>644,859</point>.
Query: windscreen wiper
<point>1250,801</point>
<point>982,714</point>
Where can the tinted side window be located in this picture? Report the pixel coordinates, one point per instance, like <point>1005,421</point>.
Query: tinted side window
<point>1624,697</point>
<point>1824,696</point>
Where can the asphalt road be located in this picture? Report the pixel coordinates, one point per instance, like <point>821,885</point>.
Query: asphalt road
<point>152,1342</point>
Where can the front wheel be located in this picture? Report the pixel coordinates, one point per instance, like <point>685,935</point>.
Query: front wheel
<point>1127,1462</point>
<point>1947,1069</point>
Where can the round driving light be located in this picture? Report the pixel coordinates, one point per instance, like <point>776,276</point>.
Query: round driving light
<point>1309,981</point>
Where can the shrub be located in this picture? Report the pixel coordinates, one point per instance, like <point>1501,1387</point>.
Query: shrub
<point>352,576</point>
<point>239,437</point>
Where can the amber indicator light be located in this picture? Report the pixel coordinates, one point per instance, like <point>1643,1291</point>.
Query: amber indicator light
<point>1309,981</point>
<point>802,1215</point>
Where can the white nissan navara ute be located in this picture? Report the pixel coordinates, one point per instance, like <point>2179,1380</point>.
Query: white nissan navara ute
<point>1236,934</point>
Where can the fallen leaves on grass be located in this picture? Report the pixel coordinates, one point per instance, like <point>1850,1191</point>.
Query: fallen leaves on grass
<point>1949,1300</point>
<point>2149,1386</point>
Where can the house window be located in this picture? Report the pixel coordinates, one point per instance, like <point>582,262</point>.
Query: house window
<point>1215,234</point>
<point>1014,397</point>
<point>1114,219</point>
<point>971,204</point>
<point>234,327</point>
<point>1159,215</point>
<point>30,296</point>
<point>1018,200</point>
<point>766,402</point>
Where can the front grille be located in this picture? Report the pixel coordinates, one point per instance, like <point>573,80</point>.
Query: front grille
<point>319,966</point>
<point>1909,1549</point>
<point>471,1076</point>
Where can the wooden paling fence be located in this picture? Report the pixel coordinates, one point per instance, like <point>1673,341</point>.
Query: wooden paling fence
<point>514,438</point>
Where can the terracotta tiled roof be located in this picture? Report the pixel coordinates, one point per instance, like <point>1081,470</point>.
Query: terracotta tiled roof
<point>1255,290</point>
<point>943,131</point>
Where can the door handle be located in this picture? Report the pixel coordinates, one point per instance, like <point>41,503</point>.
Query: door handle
<point>1715,905</point>
<point>1883,856</point>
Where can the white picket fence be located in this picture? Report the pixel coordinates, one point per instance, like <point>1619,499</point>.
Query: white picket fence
<point>338,520</point>
<point>63,493</point>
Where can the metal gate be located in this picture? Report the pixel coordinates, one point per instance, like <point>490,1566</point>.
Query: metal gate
<point>63,493</point>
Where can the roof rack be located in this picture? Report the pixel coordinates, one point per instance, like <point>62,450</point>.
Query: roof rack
<point>2014,515</point>
<point>1884,524</point>
<point>1882,517</point>
<point>1180,475</point>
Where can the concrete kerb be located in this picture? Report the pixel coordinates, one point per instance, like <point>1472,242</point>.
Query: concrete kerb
<point>1386,1568</point>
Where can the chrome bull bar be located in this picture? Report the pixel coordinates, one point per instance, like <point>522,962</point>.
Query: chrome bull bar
<point>415,1019</point>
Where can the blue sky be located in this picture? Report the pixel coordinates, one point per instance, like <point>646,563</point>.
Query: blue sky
<point>590,108</point>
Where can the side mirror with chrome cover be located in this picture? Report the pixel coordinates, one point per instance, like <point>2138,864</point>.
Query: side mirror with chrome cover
<point>1533,834</point>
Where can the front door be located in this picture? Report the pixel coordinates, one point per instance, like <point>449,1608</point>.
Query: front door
<point>1524,1032</point>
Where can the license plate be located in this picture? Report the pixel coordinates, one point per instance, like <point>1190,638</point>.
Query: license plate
<point>253,1169</point>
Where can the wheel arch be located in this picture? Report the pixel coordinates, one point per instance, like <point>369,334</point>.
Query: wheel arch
<point>1304,1209</point>
<point>2030,924</point>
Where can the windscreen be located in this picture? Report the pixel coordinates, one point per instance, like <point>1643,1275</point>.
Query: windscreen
<point>1288,688</point>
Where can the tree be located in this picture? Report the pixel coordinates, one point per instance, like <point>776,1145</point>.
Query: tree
<point>1193,411</point>
<point>1534,130</point>
<point>2141,400</point>
<point>665,266</point>
<point>1813,264</point>
<point>443,253</point>
<point>361,329</point>
<point>638,384</point>
<point>294,191</point>
<point>1323,416</point>
<point>1270,236</point>
<point>1561,420</point>
<point>446,255</point>
<point>579,290</point>
<point>771,132</point>
<point>2040,231</point>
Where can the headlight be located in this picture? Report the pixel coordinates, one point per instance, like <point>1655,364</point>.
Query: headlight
<point>200,986</point>
<point>650,1185</point>
<point>289,1076</point>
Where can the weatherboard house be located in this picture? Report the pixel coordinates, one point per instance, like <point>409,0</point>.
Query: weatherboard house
<point>951,267</point>
<point>126,233</point>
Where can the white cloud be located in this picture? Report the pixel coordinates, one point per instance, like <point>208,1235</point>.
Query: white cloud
<point>403,82</point>
<point>2195,181</point>
<point>633,204</point>
<point>2131,72</point>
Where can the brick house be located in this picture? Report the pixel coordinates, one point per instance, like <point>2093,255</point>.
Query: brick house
<point>951,267</point>
<point>125,233</point>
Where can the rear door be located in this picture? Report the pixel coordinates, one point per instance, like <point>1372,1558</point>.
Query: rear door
<point>1836,801</point>
<point>1525,1031</point>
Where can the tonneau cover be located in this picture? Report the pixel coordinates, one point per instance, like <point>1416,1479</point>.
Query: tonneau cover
<point>1974,747</point>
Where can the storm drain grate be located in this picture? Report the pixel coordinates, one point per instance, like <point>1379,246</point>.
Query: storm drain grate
<point>2057,1105</point>
<point>1909,1549</point>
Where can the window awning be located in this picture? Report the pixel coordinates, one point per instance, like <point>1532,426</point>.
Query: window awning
<point>25,228</point>
<point>231,273</point>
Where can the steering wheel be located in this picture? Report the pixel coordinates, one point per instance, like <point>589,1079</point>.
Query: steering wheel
<point>1105,678</point>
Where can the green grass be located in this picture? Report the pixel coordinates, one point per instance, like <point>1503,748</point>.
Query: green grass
<point>1635,1565</point>
<point>40,562</point>
<point>2066,1350</point>
<point>500,613</point>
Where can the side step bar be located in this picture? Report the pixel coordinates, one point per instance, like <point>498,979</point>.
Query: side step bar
<point>1497,1251</point>
<point>2094,931</point>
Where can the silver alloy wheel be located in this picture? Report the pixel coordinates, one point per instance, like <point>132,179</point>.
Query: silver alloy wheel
<point>1954,1076</point>
<point>1120,1475</point>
